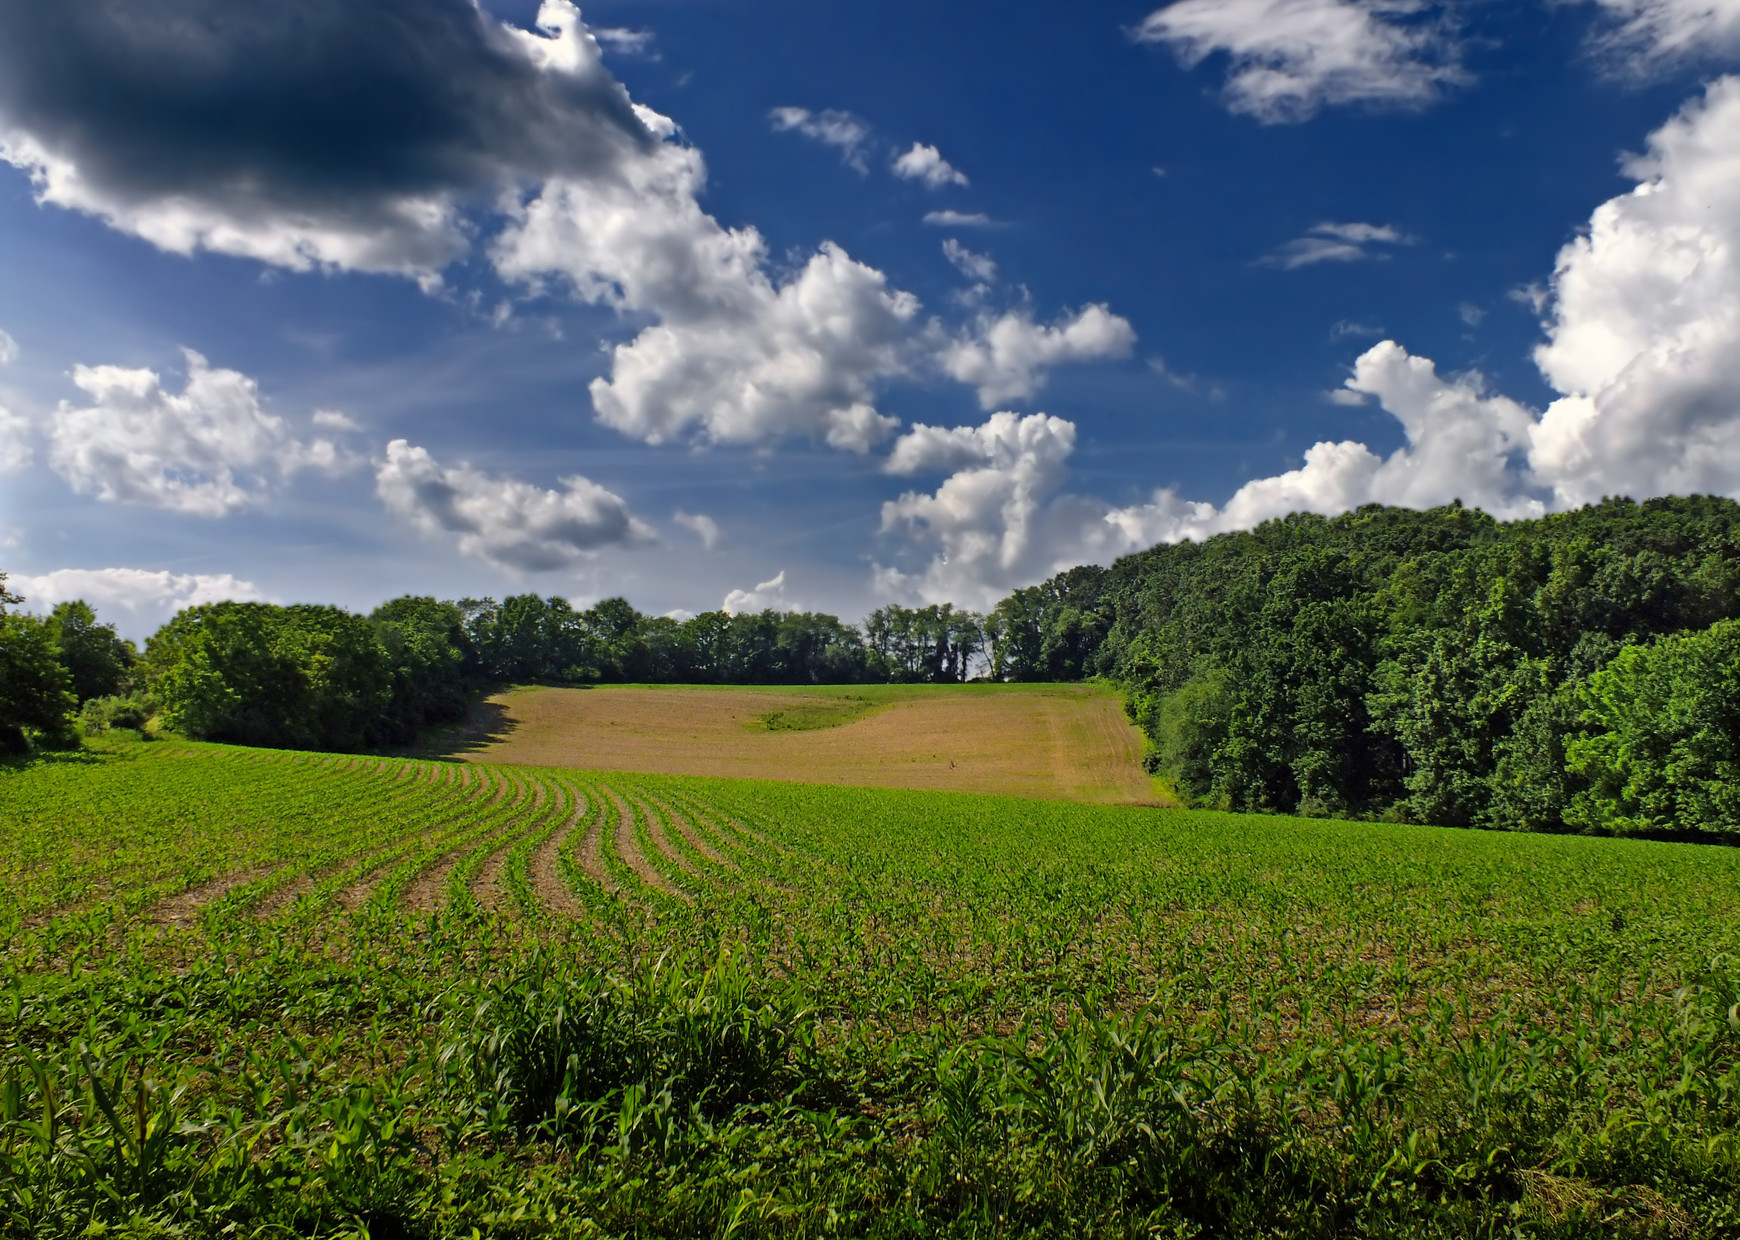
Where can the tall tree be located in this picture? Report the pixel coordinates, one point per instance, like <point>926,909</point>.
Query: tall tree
<point>35,688</point>
<point>98,659</point>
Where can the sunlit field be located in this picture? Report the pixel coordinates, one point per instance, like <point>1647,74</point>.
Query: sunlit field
<point>251,992</point>
<point>1065,741</point>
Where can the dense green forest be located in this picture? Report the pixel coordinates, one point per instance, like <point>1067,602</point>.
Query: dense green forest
<point>1580,671</point>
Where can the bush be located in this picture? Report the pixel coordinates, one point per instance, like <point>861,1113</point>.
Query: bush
<point>130,710</point>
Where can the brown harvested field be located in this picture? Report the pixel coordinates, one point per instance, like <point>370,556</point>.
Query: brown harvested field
<point>1060,742</point>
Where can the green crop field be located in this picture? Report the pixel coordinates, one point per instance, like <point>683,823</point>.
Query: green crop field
<point>257,993</point>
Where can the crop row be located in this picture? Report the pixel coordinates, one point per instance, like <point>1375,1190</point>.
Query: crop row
<point>341,994</point>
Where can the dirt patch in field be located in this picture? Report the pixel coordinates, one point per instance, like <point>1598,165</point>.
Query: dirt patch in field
<point>184,909</point>
<point>628,848</point>
<point>546,868</point>
<point>688,832</point>
<point>1059,742</point>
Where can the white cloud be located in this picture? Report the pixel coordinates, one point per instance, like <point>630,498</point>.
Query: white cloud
<point>8,349</point>
<point>563,182</point>
<point>1644,334</point>
<point>623,41</point>
<point>1644,345</point>
<point>701,526</point>
<point>1288,58</point>
<point>734,357</point>
<point>830,127</point>
<point>1650,34</point>
<point>210,450</point>
<point>980,267</point>
<point>1005,357</point>
<point>1462,443</point>
<point>145,598</point>
<point>1335,243</point>
<point>504,521</point>
<point>1183,382</point>
<point>767,596</point>
<point>997,521</point>
<point>1001,518</point>
<point>958,219</point>
<point>925,163</point>
<point>333,420</point>
<point>15,449</point>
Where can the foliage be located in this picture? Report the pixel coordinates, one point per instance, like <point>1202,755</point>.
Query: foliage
<point>35,689</point>
<point>1663,752</point>
<point>1050,631</point>
<point>300,677</point>
<point>132,711</point>
<point>309,995</point>
<point>434,661</point>
<point>322,678</point>
<point>94,655</point>
<point>1421,666</point>
<point>931,645</point>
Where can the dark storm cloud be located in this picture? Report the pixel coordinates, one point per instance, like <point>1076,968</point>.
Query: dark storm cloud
<point>332,107</point>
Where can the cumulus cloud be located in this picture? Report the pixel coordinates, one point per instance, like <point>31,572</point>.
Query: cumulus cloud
<point>1643,345</point>
<point>997,520</point>
<point>1330,242</point>
<point>209,450</point>
<point>396,136</point>
<point>767,596</point>
<point>735,357</point>
<point>979,267</point>
<point>333,420</point>
<point>1005,356</point>
<point>312,133</point>
<point>925,163</point>
<point>1462,443</point>
<point>832,128</point>
<point>144,598</point>
<point>1286,59</point>
<point>701,526</point>
<point>8,349</point>
<point>504,521</point>
<point>1644,333</point>
<point>1002,519</point>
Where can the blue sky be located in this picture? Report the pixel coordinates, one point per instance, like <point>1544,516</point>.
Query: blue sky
<point>777,303</point>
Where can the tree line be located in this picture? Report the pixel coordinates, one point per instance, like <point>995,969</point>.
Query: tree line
<point>1576,672</point>
<point>318,677</point>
